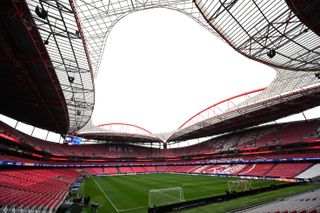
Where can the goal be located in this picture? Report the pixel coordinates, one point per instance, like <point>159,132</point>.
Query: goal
<point>239,185</point>
<point>165,196</point>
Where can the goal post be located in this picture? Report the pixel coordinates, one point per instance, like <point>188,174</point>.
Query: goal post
<point>239,185</point>
<point>165,196</point>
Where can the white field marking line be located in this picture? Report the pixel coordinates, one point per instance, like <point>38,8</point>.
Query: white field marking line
<point>106,195</point>
<point>130,209</point>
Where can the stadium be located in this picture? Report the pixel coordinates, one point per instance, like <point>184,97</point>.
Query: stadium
<point>232,156</point>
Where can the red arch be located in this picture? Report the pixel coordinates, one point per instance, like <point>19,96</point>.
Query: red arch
<point>216,104</point>
<point>131,125</point>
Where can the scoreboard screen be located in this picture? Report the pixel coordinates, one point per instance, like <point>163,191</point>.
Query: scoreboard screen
<point>73,140</point>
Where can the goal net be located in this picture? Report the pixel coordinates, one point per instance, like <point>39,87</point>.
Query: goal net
<point>239,185</point>
<point>165,196</point>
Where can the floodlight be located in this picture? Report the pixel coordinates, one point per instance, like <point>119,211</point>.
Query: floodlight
<point>271,53</point>
<point>42,13</point>
<point>78,34</point>
<point>71,79</point>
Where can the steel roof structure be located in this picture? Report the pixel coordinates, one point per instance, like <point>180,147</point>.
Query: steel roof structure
<point>283,34</point>
<point>265,31</point>
<point>63,38</point>
<point>118,132</point>
<point>30,89</point>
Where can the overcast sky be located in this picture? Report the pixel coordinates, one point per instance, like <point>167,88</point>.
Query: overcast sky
<point>160,67</point>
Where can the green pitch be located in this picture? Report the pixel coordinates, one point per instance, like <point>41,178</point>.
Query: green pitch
<point>130,193</point>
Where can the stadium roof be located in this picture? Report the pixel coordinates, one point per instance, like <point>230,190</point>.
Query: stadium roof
<point>30,90</point>
<point>254,111</point>
<point>118,132</point>
<point>49,80</point>
<point>268,32</point>
<point>281,34</point>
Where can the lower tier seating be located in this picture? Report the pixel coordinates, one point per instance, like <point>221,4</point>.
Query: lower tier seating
<point>288,169</point>
<point>45,189</point>
<point>285,170</point>
<point>35,188</point>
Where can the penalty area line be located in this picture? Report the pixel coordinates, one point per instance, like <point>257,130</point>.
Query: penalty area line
<point>105,195</point>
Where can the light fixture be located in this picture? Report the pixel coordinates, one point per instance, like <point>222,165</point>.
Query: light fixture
<point>71,79</point>
<point>78,34</point>
<point>271,53</point>
<point>42,13</point>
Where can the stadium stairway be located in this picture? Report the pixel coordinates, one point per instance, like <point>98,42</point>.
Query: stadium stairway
<point>270,169</point>
<point>118,170</point>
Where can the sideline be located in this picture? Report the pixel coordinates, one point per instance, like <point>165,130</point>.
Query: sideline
<point>117,210</point>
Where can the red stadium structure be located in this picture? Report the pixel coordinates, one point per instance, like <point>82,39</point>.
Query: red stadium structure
<point>50,55</point>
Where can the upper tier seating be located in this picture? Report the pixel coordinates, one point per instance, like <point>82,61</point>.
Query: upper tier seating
<point>292,133</point>
<point>281,134</point>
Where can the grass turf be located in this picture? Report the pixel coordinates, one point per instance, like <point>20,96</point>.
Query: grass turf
<point>130,193</point>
